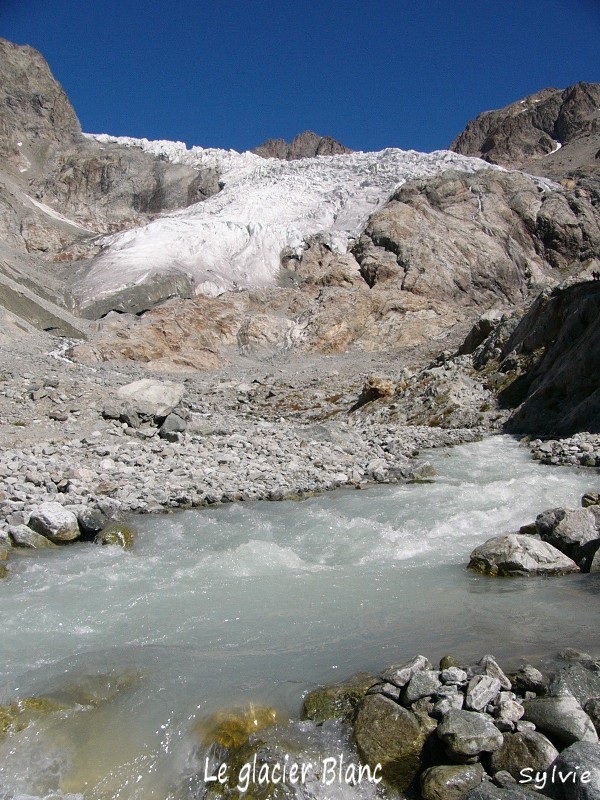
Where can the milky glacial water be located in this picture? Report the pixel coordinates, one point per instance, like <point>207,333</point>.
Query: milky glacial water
<point>259,602</point>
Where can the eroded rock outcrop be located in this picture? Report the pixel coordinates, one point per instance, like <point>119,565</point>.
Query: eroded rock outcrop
<point>552,132</point>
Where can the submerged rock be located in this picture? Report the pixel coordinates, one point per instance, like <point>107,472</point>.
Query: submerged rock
<point>338,701</point>
<point>233,728</point>
<point>116,533</point>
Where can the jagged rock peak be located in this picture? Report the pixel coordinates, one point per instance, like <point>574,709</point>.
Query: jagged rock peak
<point>33,106</point>
<point>304,145</point>
<point>531,128</point>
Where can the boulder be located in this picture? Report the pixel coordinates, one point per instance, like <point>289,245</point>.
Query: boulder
<point>54,522</point>
<point>422,684</point>
<point>390,735</point>
<point>562,719</point>
<point>492,668</point>
<point>151,397</point>
<point>400,674</point>
<point>116,533</point>
<point>521,750</point>
<point>592,709</point>
<point>450,781</point>
<point>481,690</point>
<point>571,530</point>
<point>173,424</point>
<point>466,734</point>
<point>514,554</point>
<point>578,680</point>
<point>337,701</point>
<point>487,791</point>
<point>575,773</point>
<point>23,536</point>
<point>530,679</point>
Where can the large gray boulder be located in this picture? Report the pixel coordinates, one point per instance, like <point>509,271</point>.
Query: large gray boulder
<point>520,750</point>
<point>152,397</point>
<point>466,734</point>
<point>575,773</point>
<point>516,554</point>
<point>450,781</point>
<point>54,522</point>
<point>578,680</point>
<point>562,719</point>
<point>23,536</point>
<point>390,735</point>
<point>568,529</point>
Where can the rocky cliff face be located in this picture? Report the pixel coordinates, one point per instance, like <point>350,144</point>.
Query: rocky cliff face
<point>305,145</point>
<point>553,132</point>
<point>58,189</point>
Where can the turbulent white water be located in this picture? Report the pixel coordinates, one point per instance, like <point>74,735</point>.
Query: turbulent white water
<point>235,238</point>
<point>257,603</point>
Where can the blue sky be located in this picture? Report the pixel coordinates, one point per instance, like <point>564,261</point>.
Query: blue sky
<point>373,74</point>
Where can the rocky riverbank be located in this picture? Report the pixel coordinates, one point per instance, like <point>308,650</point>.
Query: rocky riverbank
<point>83,446</point>
<point>446,733</point>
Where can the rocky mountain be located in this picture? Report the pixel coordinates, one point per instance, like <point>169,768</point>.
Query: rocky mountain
<point>553,132</point>
<point>290,254</point>
<point>304,145</point>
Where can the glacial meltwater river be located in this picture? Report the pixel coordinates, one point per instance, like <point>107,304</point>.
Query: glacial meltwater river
<point>258,602</point>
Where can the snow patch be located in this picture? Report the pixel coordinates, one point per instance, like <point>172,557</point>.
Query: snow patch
<point>235,239</point>
<point>50,212</point>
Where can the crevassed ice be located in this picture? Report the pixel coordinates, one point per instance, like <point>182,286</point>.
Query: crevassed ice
<point>235,238</point>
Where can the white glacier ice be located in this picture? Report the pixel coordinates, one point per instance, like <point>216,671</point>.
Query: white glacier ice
<point>235,238</point>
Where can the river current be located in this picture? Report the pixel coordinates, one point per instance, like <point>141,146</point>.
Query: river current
<point>259,602</point>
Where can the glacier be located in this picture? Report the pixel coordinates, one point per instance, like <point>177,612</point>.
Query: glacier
<point>234,240</point>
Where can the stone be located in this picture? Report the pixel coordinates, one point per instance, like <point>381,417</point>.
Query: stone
<point>453,675</point>
<point>481,690</point>
<point>55,522</point>
<point>172,424</point>
<point>578,680</point>
<point>520,750</point>
<point>466,734</point>
<point>487,791</point>
<point>450,781</point>
<point>513,554</point>
<point>574,529</point>
<point>422,684</point>
<point>509,710</point>
<point>338,701</point>
<point>23,536</point>
<point>579,767</point>
<point>390,735</point>
<point>561,719</point>
<point>400,674</point>
<point>590,499</point>
<point>91,520</point>
<point>152,397</point>
<point>492,668</point>
<point>116,533</point>
<point>529,678</point>
<point>592,709</point>
<point>447,703</point>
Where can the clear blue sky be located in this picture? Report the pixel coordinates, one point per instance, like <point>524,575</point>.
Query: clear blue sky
<point>373,74</point>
